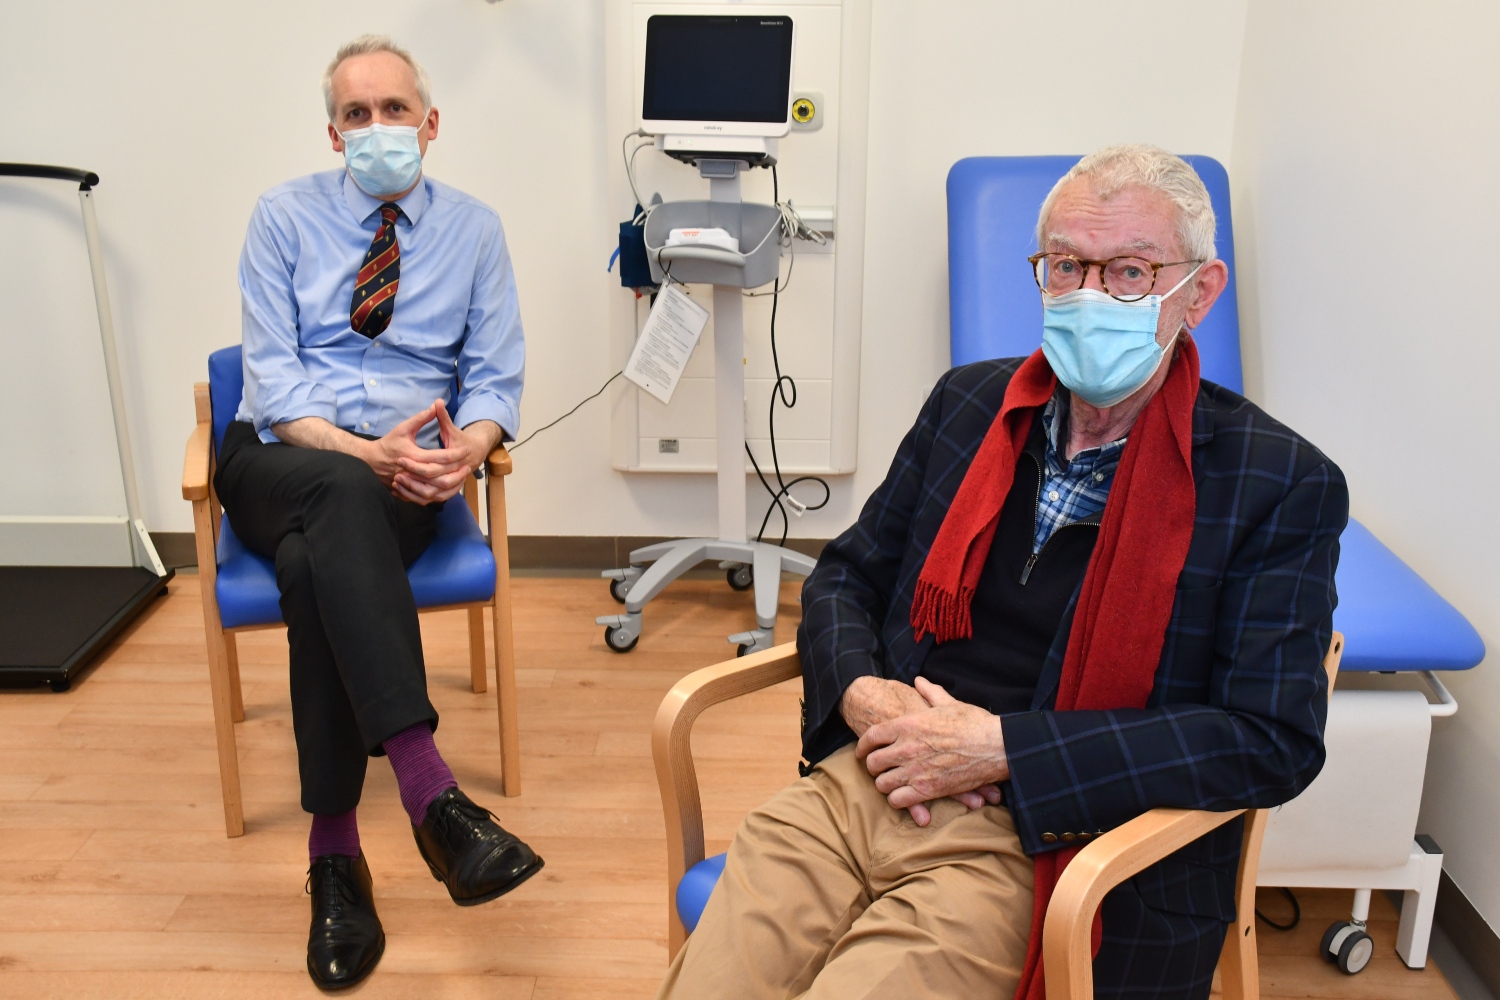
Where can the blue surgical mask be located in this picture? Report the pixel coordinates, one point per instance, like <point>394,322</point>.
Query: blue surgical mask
<point>1103,349</point>
<point>383,159</point>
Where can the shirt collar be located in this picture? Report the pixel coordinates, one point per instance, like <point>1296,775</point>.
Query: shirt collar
<point>362,205</point>
<point>1055,420</point>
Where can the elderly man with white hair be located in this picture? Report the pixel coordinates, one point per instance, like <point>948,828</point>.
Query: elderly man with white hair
<point>367,291</point>
<point>1091,584</point>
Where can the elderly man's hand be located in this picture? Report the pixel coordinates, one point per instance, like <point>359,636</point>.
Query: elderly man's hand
<point>871,700</point>
<point>947,749</point>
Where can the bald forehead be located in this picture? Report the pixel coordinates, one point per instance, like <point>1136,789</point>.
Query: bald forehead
<point>1133,219</point>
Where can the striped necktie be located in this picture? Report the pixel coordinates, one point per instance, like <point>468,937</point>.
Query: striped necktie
<point>374,299</point>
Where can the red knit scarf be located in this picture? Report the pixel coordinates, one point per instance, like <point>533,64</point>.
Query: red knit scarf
<point>1128,590</point>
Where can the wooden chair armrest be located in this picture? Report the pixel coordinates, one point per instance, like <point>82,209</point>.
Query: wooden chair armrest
<point>1098,868</point>
<point>671,747</point>
<point>498,464</point>
<point>1129,849</point>
<point>195,463</point>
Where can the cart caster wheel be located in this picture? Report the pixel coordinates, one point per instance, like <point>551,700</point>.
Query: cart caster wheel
<point>618,639</point>
<point>740,577</point>
<point>621,580</point>
<point>753,641</point>
<point>1356,952</point>
<point>61,685</point>
<point>1347,947</point>
<point>1325,947</point>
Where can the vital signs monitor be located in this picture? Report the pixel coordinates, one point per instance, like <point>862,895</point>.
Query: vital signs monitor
<point>717,75</point>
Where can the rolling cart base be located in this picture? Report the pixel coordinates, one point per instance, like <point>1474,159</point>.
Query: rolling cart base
<point>747,565</point>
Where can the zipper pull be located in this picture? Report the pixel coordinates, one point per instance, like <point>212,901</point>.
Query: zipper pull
<point>1026,573</point>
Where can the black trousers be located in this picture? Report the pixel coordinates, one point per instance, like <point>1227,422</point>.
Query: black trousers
<point>341,543</point>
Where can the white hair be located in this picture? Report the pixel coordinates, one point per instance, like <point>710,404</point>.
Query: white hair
<point>366,45</point>
<point>1113,168</point>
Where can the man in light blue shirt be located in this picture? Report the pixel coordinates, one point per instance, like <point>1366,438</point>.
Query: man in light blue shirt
<point>373,296</point>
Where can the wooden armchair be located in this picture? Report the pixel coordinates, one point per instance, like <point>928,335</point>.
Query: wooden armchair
<point>1098,868</point>
<point>459,570</point>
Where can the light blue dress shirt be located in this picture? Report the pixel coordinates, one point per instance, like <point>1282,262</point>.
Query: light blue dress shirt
<point>456,311</point>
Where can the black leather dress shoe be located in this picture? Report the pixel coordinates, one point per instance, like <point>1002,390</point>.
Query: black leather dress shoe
<point>346,939</point>
<point>469,852</point>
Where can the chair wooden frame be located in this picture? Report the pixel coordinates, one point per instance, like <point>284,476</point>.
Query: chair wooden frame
<point>1098,868</point>
<point>223,657</point>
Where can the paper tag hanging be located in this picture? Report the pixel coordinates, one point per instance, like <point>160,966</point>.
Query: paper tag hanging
<point>665,345</point>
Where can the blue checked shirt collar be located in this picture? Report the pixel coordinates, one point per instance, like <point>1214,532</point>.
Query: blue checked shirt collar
<point>1076,490</point>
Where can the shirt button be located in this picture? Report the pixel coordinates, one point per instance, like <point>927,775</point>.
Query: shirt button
<point>366,425</point>
<point>1050,496</point>
<point>1098,477</point>
<point>372,382</point>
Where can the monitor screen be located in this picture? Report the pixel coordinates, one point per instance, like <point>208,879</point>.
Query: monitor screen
<point>717,69</point>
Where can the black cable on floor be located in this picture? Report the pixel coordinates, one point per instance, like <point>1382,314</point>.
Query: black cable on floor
<point>779,391</point>
<point>1296,913</point>
<point>565,416</point>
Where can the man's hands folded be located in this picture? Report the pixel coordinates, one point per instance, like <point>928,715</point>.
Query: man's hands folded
<point>922,744</point>
<point>423,475</point>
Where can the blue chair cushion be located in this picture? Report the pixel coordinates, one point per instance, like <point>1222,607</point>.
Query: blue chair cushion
<point>995,309</point>
<point>457,568</point>
<point>1391,618</point>
<point>694,889</point>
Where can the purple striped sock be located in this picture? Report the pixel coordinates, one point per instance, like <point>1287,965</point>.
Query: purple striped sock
<point>333,835</point>
<point>420,772</point>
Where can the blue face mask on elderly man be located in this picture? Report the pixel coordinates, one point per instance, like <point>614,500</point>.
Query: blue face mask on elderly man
<point>1101,348</point>
<point>383,159</point>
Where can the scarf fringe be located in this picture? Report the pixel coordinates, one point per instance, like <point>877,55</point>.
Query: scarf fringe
<point>941,612</point>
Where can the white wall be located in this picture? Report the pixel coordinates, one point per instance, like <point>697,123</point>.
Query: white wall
<point>1366,206</point>
<point>189,110</point>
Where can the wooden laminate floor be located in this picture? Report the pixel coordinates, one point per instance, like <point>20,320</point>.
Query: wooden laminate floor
<point>116,879</point>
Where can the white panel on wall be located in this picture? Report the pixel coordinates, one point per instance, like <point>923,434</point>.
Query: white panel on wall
<point>807,324</point>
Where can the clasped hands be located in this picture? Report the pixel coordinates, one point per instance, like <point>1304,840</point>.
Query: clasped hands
<point>430,475</point>
<point>922,744</point>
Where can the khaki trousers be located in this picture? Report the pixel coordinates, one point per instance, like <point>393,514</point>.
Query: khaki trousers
<point>829,893</point>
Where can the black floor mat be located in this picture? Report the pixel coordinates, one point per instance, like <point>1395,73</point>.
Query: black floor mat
<point>54,618</point>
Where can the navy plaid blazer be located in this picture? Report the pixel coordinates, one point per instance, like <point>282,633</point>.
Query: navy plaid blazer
<point>1236,716</point>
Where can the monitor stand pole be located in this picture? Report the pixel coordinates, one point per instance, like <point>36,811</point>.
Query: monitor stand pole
<point>747,563</point>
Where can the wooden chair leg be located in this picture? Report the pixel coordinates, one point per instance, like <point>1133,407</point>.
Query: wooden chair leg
<point>232,658</point>
<point>505,651</point>
<point>218,674</point>
<point>477,671</point>
<point>1239,963</point>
